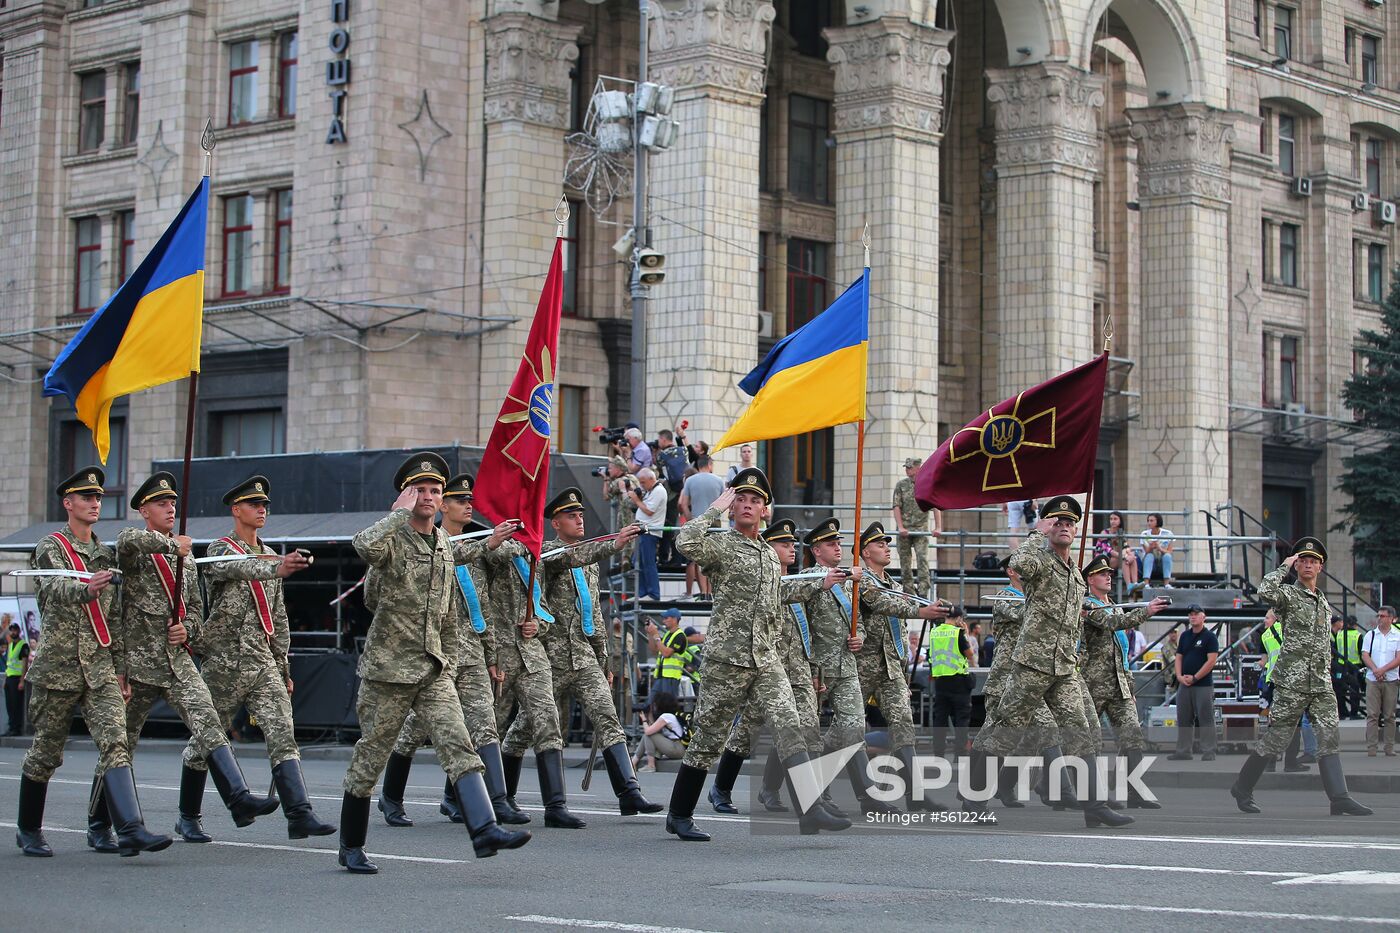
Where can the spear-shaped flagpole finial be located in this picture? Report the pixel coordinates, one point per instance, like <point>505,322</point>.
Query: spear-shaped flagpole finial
<point>1107,332</point>
<point>207,143</point>
<point>865,242</point>
<point>561,217</point>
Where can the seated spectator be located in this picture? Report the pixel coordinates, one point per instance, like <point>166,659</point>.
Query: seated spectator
<point>1156,550</point>
<point>663,736</point>
<point>1112,543</point>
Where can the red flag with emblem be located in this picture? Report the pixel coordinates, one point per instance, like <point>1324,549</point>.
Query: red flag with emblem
<point>514,474</point>
<point>1042,442</point>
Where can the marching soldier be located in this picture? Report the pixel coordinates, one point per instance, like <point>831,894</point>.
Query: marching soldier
<point>577,645</point>
<point>1044,661</point>
<point>794,645</point>
<point>882,662</point>
<point>1104,666</point>
<point>910,519</point>
<point>524,675</point>
<point>243,646</point>
<point>158,664</point>
<point>1300,679</point>
<point>834,648</point>
<point>741,658</point>
<point>74,670</point>
<point>409,664</point>
<point>476,654</point>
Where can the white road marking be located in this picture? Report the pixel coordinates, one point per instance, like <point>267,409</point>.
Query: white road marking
<point>600,924</point>
<point>1253,842</point>
<point>1153,868</point>
<point>1360,876</point>
<point>1195,911</point>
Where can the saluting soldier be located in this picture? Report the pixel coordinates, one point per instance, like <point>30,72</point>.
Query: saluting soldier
<point>476,653</point>
<point>794,645</point>
<point>524,676</point>
<point>882,662</point>
<point>243,646</point>
<point>741,656</point>
<point>76,669</point>
<point>1103,664</point>
<point>156,660</point>
<point>834,648</point>
<point>1301,678</point>
<point>577,644</point>
<point>410,664</point>
<point>1045,659</point>
<point>912,522</point>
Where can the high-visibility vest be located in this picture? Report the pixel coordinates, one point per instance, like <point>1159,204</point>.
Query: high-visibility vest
<point>944,658</point>
<point>1272,640</point>
<point>1347,644</point>
<point>674,666</point>
<point>14,664</point>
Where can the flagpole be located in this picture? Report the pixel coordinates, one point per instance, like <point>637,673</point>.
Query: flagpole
<point>206,142</point>
<point>1089,496</point>
<point>860,449</point>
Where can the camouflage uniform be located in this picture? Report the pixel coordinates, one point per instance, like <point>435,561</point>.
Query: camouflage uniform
<point>410,657</point>
<point>795,652</point>
<point>616,492</point>
<point>831,626</point>
<point>241,663</point>
<point>741,655</point>
<point>476,653</point>
<point>912,549</point>
<point>1302,680</point>
<point>882,661</point>
<point>579,660</point>
<point>1045,659</point>
<point>1006,625</point>
<point>1109,682</point>
<point>523,661</point>
<point>155,668</point>
<point>73,670</point>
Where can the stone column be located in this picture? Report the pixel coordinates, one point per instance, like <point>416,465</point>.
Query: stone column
<point>702,322</point>
<point>1048,155</point>
<point>889,106</point>
<point>1182,445</point>
<point>526,105</point>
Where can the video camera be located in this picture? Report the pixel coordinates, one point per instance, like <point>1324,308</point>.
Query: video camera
<point>609,436</point>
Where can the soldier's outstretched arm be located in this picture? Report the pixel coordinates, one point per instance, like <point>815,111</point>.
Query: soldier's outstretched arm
<point>799,591</point>
<point>221,570</point>
<point>375,544</point>
<point>1111,620</point>
<point>695,542</point>
<point>57,591</point>
<point>581,555</point>
<point>132,542</point>
<point>888,603</point>
<point>1271,587</point>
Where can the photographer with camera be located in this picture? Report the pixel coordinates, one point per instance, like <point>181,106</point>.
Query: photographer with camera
<point>617,486</point>
<point>634,451</point>
<point>663,734</point>
<point>650,501</point>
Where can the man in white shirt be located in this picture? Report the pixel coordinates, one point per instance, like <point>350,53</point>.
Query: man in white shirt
<point>1380,652</point>
<point>651,515</point>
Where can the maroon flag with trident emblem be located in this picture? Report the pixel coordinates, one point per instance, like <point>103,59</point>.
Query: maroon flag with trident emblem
<point>1042,442</point>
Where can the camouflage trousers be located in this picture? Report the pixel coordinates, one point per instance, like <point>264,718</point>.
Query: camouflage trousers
<point>383,708</point>
<point>1042,734</point>
<point>535,694</point>
<point>1123,717</point>
<point>589,685</point>
<point>265,693</point>
<point>190,698</point>
<point>476,693</point>
<point>847,712</point>
<point>1287,710</point>
<point>1026,691</point>
<point>892,695</point>
<point>912,551</point>
<point>1091,717</point>
<point>51,714</point>
<point>728,689</point>
<point>743,735</point>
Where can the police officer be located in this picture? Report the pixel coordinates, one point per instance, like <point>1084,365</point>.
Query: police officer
<point>949,657</point>
<point>243,646</point>
<point>912,522</point>
<point>1300,679</point>
<point>669,648</point>
<point>1346,667</point>
<point>157,663</point>
<point>76,669</point>
<point>741,658</point>
<point>409,664</point>
<point>577,644</point>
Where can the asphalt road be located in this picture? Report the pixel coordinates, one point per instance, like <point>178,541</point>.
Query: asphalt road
<point>1198,862</point>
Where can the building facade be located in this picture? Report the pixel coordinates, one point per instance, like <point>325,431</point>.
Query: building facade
<point>1214,180</point>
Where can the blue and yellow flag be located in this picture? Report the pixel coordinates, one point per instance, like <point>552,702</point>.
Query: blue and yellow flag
<point>814,377</point>
<point>147,334</point>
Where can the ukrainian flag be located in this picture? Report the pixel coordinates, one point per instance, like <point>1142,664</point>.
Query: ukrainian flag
<point>814,377</point>
<point>147,334</point>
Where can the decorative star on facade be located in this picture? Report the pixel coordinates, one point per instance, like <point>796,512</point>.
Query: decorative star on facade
<point>426,132</point>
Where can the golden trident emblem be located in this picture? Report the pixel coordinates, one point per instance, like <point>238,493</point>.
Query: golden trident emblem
<point>998,436</point>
